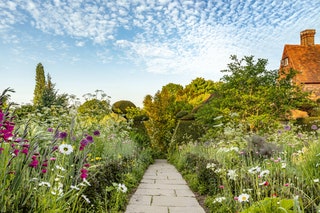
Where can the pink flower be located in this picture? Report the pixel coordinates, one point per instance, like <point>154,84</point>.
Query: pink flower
<point>25,151</point>
<point>287,184</point>
<point>34,163</point>
<point>221,187</point>
<point>84,175</point>
<point>16,152</point>
<point>44,171</point>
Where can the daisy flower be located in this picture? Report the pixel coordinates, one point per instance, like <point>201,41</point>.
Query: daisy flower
<point>264,173</point>
<point>65,149</point>
<point>122,188</point>
<point>243,198</point>
<point>232,174</point>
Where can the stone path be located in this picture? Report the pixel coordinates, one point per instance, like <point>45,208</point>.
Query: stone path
<point>163,190</point>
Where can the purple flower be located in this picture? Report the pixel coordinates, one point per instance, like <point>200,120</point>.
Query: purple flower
<point>89,138</point>
<point>287,127</point>
<point>50,129</point>
<point>84,142</point>
<point>96,133</point>
<point>314,127</point>
<point>62,135</point>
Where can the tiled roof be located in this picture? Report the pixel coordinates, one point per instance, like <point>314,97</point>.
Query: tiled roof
<point>305,59</point>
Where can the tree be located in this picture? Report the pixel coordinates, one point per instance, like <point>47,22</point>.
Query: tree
<point>96,106</point>
<point>256,94</point>
<point>40,84</point>
<point>161,111</point>
<point>50,96</point>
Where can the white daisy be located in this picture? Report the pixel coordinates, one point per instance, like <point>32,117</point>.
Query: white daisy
<point>219,199</point>
<point>232,174</point>
<point>65,149</point>
<point>122,188</point>
<point>243,198</point>
<point>45,184</point>
<point>254,170</point>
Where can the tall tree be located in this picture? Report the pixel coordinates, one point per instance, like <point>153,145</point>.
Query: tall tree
<point>40,84</point>
<point>161,110</point>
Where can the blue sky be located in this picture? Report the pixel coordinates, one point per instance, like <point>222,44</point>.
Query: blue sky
<point>131,48</point>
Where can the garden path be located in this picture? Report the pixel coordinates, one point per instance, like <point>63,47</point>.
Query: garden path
<point>163,190</point>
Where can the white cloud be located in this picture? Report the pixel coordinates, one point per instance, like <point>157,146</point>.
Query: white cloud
<point>168,35</point>
<point>80,43</point>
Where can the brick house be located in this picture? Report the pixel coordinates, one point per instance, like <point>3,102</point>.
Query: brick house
<point>305,58</point>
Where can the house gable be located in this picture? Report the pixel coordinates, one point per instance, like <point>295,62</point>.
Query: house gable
<point>305,58</point>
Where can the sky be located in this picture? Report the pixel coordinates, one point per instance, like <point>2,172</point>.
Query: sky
<point>132,48</point>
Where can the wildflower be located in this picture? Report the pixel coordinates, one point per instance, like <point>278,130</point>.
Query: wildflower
<point>265,183</point>
<point>85,198</point>
<point>96,133</point>
<point>232,174</point>
<point>84,173</point>
<point>210,165</point>
<point>283,165</point>
<point>44,171</point>
<point>25,151</point>
<point>287,184</point>
<point>243,198</point>
<point>15,152</point>
<point>86,165</point>
<point>60,167</point>
<point>316,180</point>
<point>63,135</point>
<point>287,127</point>
<point>66,149</point>
<point>45,184</point>
<point>221,186</point>
<point>50,130</point>
<point>314,127</point>
<point>264,173</point>
<point>89,138</point>
<point>254,170</point>
<point>219,199</point>
<point>34,163</point>
<point>122,188</point>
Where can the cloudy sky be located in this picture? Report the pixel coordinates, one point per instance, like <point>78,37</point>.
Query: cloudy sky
<point>131,48</point>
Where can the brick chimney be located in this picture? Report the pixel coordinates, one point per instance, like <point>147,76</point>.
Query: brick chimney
<point>307,37</point>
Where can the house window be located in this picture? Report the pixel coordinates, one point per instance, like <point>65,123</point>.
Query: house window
<point>285,62</point>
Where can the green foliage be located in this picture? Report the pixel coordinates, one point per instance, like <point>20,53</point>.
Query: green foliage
<point>198,91</point>
<point>275,205</point>
<point>40,84</point>
<point>95,108</point>
<point>257,95</point>
<point>161,110</point>
<point>185,132</point>
<point>122,107</point>
<point>38,175</point>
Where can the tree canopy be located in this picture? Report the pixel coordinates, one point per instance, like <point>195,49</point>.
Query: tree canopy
<point>257,95</point>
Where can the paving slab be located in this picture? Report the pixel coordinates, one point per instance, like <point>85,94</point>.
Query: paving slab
<point>163,190</point>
